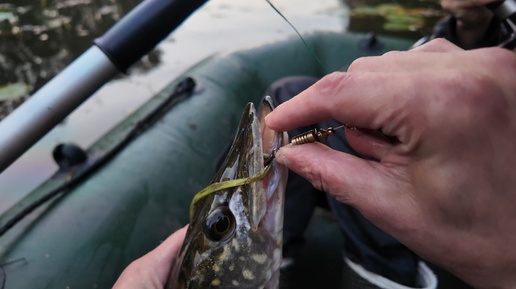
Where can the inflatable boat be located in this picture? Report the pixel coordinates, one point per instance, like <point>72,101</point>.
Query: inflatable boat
<point>115,201</point>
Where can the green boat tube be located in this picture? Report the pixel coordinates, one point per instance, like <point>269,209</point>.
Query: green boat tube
<point>133,187</point>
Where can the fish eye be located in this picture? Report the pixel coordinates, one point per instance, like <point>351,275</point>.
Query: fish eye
<point>219,225</point>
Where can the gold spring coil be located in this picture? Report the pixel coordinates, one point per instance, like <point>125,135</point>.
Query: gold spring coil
<point>307,137</point>
<point>314,135</point>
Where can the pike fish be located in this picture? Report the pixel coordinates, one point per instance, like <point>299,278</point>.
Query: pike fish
<point>235,235</point>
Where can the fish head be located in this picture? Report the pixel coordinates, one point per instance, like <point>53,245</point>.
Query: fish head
<point>235,235</point>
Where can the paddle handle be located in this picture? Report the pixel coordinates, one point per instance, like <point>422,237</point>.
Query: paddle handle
<point>52,103</point>
<point>143,28</point>
<point>125,43</point>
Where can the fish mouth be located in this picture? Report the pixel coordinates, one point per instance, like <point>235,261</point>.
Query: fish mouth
<point>252,151</point>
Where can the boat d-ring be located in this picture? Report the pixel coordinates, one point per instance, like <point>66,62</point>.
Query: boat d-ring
<point>68,155</point>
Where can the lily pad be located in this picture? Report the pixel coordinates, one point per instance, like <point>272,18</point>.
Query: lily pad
<point>13,91</point>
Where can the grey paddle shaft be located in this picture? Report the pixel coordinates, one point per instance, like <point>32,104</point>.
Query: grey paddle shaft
<point>121,46</point>
<point>52,103</point>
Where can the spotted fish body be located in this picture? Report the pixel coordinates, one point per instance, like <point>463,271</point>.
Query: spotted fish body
<point>235,235</point>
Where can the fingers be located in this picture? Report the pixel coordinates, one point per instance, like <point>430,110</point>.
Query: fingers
<point>308,107</point>
<point>350,99</point>
<point>369,144</point>
<point>151,270</point>
<point>391,104</point>
<point>351,180</point>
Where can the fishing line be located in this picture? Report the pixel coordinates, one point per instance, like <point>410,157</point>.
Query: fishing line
<point>308,47</point>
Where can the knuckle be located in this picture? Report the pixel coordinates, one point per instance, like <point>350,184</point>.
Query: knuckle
<point>392,53</point>
<point>331,79</point>
<point>332,83</point>
<point>314,176</point>
<point>316,173</point>
<point>477,98</point>
<point>358,64</point>
<point>326,179</point>
<point>438,44</point>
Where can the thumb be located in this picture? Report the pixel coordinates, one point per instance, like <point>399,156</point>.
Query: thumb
<point>152,270</point>
<point>367,185</point>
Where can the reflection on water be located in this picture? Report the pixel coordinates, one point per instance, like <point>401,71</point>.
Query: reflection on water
<point>38,38</point>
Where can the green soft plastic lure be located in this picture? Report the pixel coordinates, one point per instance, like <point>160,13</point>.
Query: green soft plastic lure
<point>215,187</point>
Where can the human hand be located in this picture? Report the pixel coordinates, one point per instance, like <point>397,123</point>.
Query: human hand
<point>448,189</point>
<point>151,271</point>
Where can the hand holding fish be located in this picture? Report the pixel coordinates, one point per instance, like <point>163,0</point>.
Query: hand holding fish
<point>446,190</point>
<point>152,270</point>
